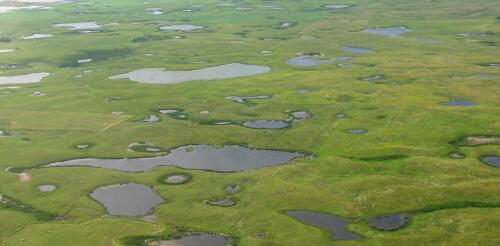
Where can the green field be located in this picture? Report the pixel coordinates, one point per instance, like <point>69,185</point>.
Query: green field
<point>401,164</point>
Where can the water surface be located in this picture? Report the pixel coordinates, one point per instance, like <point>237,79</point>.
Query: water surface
<point>387,31</point>
<point>162,76</point>
<point>127,199</point>
<point>151,118</point>
<point>231,189</point>
<point>184,28</point>
<point>336,225</point>
<point>356,50</point>
<point>266,124</point>
<point>357,131</point>
<point>177,178</point>
<point>492,160</point>
<point>243,99</point>
<point>46,188</point>
<point>79,26</point>
<point>168,111</point>
<point>337,6</point>
<point>230,158</point>
<point>198,239</point>
<point>373,77</point>
<point>301,115</point>
<point>390,222</point>
<point>486,76</point>
<point>23,79</point>
<point>458,102</point>
<point>310,61</point>
<point>38,36</point>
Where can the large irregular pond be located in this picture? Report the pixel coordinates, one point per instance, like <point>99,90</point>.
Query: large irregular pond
<point>127,199</point>
<point>387,31</point>
<point>197,239</point>
<point>23,79</point>
<point>162,76</point>
<point>336,225</point>
<point>206,157</point>
<point>8,9</point>
<point>79,26</point>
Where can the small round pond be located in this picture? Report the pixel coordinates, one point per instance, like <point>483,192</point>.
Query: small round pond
<point>266,124</point>
<point>390,222</point>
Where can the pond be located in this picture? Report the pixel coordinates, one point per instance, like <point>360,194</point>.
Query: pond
<point>390,222</point>
<point>168,111</point>
<point>356,50</point>
<point>266,124</point>
<point>151,118</point>
<point>162,76</point>
<point>373,77</point>
<point>46,188</point>
<point>84,60</point>
<point>311,61</point>
<point>357,131</point>
<point>198,239</point>
<point>301,115</point>
<point>127,199</point>
<point>231,189</point>
<point>336,225</point>
<point>337,6</point>
<point>486,76</point>
<point>387,31</point>
<point>183,28</point>
<point>456,155</point>
<point>23,79</point>
<point>79,26</point>
<point>244,99</point>
<point>176,178</point>
<point>458,102</point>
<point>229,158</point>
<point>492,160</point>
<point>222,202</point>
<point>37,36</point>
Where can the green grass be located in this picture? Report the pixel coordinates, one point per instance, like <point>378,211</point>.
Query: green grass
<point>400,165</point>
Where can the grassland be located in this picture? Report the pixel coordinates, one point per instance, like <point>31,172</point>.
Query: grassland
<point>455,201</point>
